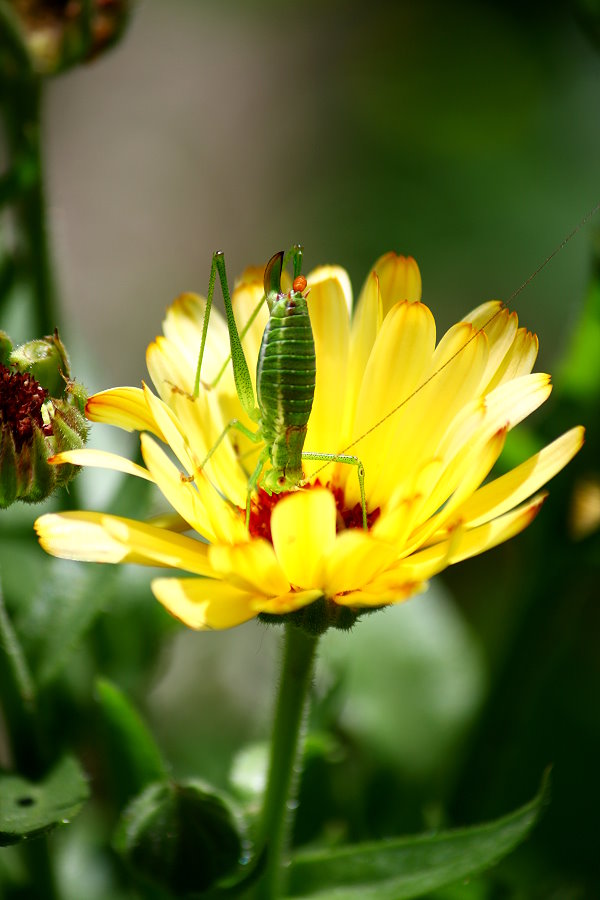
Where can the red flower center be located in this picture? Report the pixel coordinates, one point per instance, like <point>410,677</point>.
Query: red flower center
<point>21,401</point>
<point>263,504</point>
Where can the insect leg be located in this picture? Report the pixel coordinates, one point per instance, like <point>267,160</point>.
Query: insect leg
<point>296,253</point>
<point>349,461</point>
<point>241,373</point>
<point>254,436</point>
<point>253,480</point>
<point>243,333</point>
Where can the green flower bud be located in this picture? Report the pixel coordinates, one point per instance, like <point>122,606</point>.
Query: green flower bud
<point>41,414</point>
<point>46,360</point>
<point>183,837</point>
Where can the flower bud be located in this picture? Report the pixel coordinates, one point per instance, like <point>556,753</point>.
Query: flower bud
<point>46,360</point>
<point>61,35</point>
<point>41,414</point>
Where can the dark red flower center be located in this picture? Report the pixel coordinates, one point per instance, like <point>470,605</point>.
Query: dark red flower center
<point>263,504</point>
<point>21,401</point>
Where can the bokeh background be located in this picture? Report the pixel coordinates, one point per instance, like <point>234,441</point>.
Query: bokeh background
<point>468,135</point>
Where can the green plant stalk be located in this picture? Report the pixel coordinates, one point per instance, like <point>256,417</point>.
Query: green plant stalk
<point>284,771</point>
<point>31,209</point>
<point>21,109</point>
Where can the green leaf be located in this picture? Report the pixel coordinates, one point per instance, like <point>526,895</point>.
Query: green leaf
<point>29,808</point>
<point>132,751</point>
<point>410,867</point>
<point>579,377</point>
<point>183,837</point>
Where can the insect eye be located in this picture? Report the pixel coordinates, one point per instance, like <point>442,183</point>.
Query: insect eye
<point>299,283</point>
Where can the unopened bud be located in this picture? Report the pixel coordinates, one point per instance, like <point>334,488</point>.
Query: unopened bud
<point>61,35</point>
<point>41,414</point>
<point>46,360</point>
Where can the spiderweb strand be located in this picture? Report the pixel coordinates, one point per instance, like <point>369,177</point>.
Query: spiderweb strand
<point>504,304</point>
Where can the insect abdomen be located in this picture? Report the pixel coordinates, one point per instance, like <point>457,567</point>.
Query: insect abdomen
<point>285,382</point>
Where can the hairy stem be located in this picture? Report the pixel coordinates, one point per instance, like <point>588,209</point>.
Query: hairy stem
<point>284,769</point>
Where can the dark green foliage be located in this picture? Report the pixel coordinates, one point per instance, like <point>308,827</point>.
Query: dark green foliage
<point>29,808</point>
<point>410,867</point>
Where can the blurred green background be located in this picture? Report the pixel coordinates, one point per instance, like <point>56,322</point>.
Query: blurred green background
<point>467,135</point>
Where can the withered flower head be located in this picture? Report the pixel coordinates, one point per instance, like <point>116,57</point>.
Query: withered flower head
<point>41,414</point>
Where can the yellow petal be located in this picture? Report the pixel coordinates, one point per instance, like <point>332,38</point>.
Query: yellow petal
<point>460,479</point>
<point>366,323</point>
<point>168,369</point>
<point>288,602</point>
<point>97,537</point>
<point>389,587</point>
<point>250,566</point>
<point>357,557</point>
<point>519,360</point>
<point>196,500</point>
<point>303,530</point>
<point>201,422</point>
<point>399,279</point>
<point>124,407</point>
<point>203,603</point>
<point>100,459</point>
<point>181,494</point>
<point>182,328</point>
<point>421,422</point>
<point>330,321</point>
<point>170,427</point>
<point>510,489</point>
<point>513,401</point>
<point>500,325</point>
<point>431,560</point>
<point>332,273</point>
<point>396,367</point>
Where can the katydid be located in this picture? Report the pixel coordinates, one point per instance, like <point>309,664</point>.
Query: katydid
<point>285,381</point>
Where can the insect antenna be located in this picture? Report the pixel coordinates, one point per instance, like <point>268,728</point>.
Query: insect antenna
<point>504,304</point>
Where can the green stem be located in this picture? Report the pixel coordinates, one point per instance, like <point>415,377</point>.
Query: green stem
<point>31,212</point>
<point>21,108</point>
<point>36,854</point>
<point>277,815</point>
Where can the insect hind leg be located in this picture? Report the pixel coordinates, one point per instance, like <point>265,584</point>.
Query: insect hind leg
<point>348,461</point>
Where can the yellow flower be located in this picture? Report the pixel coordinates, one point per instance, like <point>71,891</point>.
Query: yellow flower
<point>427,421</point>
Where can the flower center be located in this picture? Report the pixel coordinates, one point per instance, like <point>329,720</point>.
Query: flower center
<point>21,401</point>
<point>262,506</point>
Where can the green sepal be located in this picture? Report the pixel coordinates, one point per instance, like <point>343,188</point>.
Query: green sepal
<point>184,837</point>
<point>403,868</point>
<point>8,469</point>
<point>78,396</point>
<point>30,808</point>
<point>5,348</point>
<point>67,437</point>
<point>319,616</point>
<point>39,478</point>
